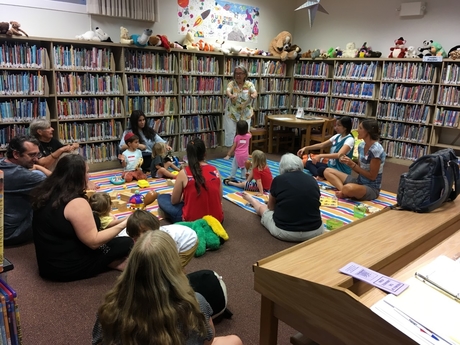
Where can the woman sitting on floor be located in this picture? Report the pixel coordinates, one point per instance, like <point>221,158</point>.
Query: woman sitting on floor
<point>369,167</point>
<point>341,144</point>
<point>293,211</point>
<point>153,303</point>
<point>197,191</point>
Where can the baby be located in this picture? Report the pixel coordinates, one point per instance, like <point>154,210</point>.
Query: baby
<point>101,204</point>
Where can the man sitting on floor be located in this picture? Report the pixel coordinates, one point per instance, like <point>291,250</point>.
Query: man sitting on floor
<point>21,174</point>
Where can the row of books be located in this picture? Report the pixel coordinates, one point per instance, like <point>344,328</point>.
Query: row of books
<point>274,68</point>
<point>269,101</point>
<point>310,103</point>
<point>89,131</point>
<point>415,113</point>
<point>193,64</point>
<point>8,132</point>
<point>260,121</point>
<point>149,62</point>
<point>407,93</point>
<point>200,85</point>
<point>25,83</point>
<point>23,110</point>
<point>451,74</point>
<point>10,325</point>
<point>353,89</point>
<point>448,95</point>
<point>88,84</point>
<point>89,108</point>
<point>401,131</point>
<point>98,153</point>
<point>446,117</point>
<point>253,66</point>
<point>153,105</point>
<point>155,85</point>
<point>200,123</point>
<point>87,59</point>
<point>399,149</point>
<point>165,125</point>
<point>200,105</point>
<point>210,139</point>
<point>349,106</point>
<point>408,71</point>
<point>23,56</point>
<point>311,69</point>
<point>352,70</point>
<point>308,86</point>
<point>253,80</point>
<point>274,85</point>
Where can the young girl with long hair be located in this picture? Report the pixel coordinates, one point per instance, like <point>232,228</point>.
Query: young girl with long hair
<point>197,191</point>
<point>152,301</point>
<point>241,149</point>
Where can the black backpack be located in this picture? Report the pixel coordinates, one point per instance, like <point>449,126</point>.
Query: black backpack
<point>431,180</point>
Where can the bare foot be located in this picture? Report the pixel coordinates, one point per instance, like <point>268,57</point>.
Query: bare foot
<point>319,178</point>
<point>247,197</point>
<point>339,194</point>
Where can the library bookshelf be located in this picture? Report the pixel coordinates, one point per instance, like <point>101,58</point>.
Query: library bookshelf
<point>88,90</point>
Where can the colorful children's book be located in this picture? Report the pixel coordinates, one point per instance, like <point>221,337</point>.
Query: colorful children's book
<point>5,318</point>
<point>11,315</point>
<point>329,201</point>
<point>3,340</point>
<point>16,309</point>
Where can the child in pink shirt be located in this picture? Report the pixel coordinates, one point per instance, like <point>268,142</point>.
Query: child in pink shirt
<point>241,149</point>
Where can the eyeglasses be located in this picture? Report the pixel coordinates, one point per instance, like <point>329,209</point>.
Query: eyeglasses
<point>37,155</point>
<point>239,73</point>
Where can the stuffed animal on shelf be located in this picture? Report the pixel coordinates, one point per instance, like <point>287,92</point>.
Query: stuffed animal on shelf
<point>279,46</point>
<point>363,51</point>
<point>399,50</point>
<point>227,48</point>
<point>143,39</point>
<point>350,50</point>
<point>4,27</point>
<point>315,54</point>
<point>411,53</point>
<point>125,38</point>
<point>437,49</point>
<point>425,49</point>
<point>189,41</point>
<point>205,46</point>
<point>294,51</point>
<point>160,41</point>
<point>176,45</point>
<point>338,52</point>
<point>307,54</point>
<point>331,53</point>
<point>98,35</point>
<point>16,30</point>
<point>454,52</point>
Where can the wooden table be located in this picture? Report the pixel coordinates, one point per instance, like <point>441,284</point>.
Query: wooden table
<point>289,120</point>
<point>302,285</point>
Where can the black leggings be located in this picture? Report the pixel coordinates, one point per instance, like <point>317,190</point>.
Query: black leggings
<point>316,169</point>
<point>147,160</point>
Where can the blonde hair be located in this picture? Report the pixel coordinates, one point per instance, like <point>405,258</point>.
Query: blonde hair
<point>258,159</point>
<point>141,221</point>
<point>152,301</point>
<point>101,203</point>
<point>158,149</point>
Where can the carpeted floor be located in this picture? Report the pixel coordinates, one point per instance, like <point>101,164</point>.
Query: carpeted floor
<point>63,313</point>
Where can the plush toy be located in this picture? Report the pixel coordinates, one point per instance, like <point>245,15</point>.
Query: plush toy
<point>227,48</point>
<point>454,52</point>
<point>143,39</point>
<point>176,45</point>
<point>4,27</point>
<point>315,54</point>
<point>280,44</point>
<point>189,41</point>
<point>125,38</point>
<point>307,54</point>
<point>411,52</point>
<point>294,51</point>
<point>362,52</point>
<point>399,50</point>
<point>350,50</point>
<point>210,233</point>
<point>15,30</point>
<point>338,52</point>
<point>160,41</point>
<point>331,52</point>
<point>425,49</point>
<point>97,35</point>
<point>437,49</point>
<point>205,46</point>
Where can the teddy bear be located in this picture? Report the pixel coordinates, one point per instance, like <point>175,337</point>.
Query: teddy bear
<point>4,27</point>
<point>160,41</point>
<point>399,50</point>
<point>411,53</point>
<point>16,30</point>
<point>188,41</point>
<point>97,35</point>
<point>350,50</point>
<point>125,38</point>
<point>279,45</point>
<point>437,49</point>
<point>143,39</point>
<point>294,51</point>
<point>454,52</point>
<point>425,49</point>
<point>306,55</point>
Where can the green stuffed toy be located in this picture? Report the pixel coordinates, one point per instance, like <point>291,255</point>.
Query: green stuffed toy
<point>437,49</point>
<point>210,233</point>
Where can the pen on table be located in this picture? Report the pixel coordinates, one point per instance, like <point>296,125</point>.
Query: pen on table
<point>423,330</point>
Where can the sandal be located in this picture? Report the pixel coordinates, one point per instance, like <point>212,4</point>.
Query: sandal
<point>226,181</point>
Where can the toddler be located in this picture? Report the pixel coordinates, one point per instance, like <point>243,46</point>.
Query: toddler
<point>260,172</point>
<point>241,148</point>
<point>131,159</point>
<point>186,239</point>
<point>160,165</point>
<point>101,204</point>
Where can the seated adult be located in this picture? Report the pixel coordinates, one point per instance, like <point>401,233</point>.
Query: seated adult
<point>369,168</point>
<point>197,191</point>
<point>152,301</point>
<point>147,137</point>
<point>68,244</point>
<point>21,174</point>
<point>293,211</point>
<point>341,144</point>
<point>50,148</point>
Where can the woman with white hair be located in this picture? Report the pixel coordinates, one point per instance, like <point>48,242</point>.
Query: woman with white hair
<point>292,213</point>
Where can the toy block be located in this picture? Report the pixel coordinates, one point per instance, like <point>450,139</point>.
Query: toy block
<point>125,196</point>
<point>122,205</point>
<point>113,195</point>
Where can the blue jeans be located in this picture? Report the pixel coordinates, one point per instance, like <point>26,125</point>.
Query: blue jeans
<point>172,212</point>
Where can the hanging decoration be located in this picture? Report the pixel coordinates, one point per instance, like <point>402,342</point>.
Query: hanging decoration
<point>313,6</point>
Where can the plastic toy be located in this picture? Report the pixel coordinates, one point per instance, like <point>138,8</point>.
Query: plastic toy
<point>117,180</point>
<point>136,201</point>
<point>143,183</point>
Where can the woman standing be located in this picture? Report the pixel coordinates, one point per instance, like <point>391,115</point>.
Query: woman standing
<point>68,244</point>
<point>241,93</point>
<point>152,302</point>
<point>147,137</point>
<point>369,168</point>
<point>197,191</point>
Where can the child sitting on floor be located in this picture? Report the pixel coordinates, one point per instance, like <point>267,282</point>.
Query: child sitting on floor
<point>101,204</point>
<point>241,148</point>
<point>260,172</point>
<point>160,165</point>
<point>186,239</point>
<point>131,159</point>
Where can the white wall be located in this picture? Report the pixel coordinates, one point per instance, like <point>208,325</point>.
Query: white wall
<point>378,23</point>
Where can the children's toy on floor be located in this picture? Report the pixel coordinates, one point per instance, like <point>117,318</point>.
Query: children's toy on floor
<point>333,224</point>
<point>329,201</point>
<point>143,183</point>
<point>116,180</point>
<point>137,201</point>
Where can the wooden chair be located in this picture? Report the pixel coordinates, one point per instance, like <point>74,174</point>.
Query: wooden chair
<point>259,139</point>
<point>284,137</point>
<point>326,133</point>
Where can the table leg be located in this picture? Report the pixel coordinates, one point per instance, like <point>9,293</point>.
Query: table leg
<point>268,323</point>
<point>308,135</point>
<point>270,136</point>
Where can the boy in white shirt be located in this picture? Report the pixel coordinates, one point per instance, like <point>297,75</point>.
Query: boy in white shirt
<point>131,159</point>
